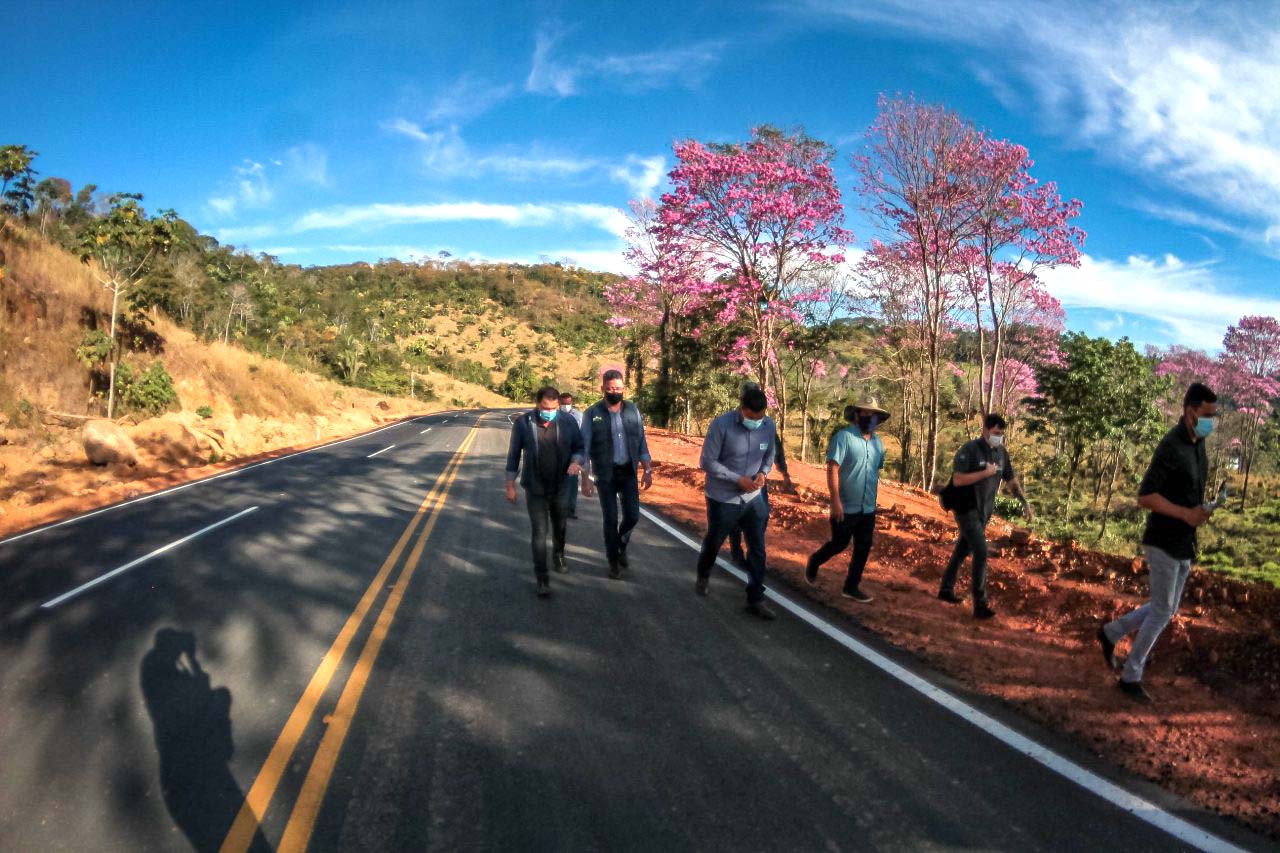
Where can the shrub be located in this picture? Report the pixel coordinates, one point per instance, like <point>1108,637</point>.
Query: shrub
<point>150,393</point>
<point>205,411</point>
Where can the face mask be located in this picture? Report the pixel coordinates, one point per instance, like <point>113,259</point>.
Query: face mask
<point>567,408</point>
<point>995,440</point>
<point>752,425</point>
<point>1204,426</point>
<point>612,398</point>
<point>868,423</point>
<point>547,414</point>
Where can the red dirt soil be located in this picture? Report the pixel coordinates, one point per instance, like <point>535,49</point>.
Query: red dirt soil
<point>1213,735</point>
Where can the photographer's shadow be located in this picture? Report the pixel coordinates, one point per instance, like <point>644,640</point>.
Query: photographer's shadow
<point>192,722</point>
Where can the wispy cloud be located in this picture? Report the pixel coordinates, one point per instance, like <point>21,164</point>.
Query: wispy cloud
<point>253,183</point>
<point>444,152</point>
<point>466,98</point>
<point>1182,92</point>
<point>602,259</point>
<point>550,74</point>
<point>1188,301</point>
<point>374,216</point>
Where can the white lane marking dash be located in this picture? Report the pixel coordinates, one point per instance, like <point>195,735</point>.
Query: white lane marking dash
<point>67,596</point>
<point>376,452</point>
<point>1135,805</point>
<point>425,431</point>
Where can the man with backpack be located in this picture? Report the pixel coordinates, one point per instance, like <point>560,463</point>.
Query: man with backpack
<point>979,468</point>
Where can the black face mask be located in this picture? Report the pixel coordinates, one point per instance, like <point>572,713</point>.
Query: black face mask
<point>612,399</point>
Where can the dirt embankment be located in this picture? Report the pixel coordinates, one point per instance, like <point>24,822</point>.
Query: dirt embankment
<point>1214,734</point>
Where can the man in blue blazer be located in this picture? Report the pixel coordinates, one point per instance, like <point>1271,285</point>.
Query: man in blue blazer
<point>550,448</point>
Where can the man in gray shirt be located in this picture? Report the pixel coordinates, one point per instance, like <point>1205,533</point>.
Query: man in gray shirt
<point>737,456</point>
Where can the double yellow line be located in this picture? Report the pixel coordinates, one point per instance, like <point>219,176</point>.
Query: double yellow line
<point>297,833</point>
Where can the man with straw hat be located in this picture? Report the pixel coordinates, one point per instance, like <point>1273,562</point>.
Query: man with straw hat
<point>854,459</point>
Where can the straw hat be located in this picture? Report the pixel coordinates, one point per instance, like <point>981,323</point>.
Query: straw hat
<point>871,404</point>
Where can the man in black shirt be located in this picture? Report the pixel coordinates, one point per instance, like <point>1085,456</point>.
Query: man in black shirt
<point>551,448</point>
<point>1173,492</point>
<point>981,465</point>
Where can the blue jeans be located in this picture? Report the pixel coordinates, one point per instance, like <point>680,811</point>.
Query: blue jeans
<point>722,518</point>
<point>624,488</point>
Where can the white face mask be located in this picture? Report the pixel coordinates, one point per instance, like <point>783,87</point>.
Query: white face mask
<point>567,408</point>
<point>995,440</point>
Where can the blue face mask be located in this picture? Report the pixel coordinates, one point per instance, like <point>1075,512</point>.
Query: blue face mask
<point>752,425</point>
<point>1204,426</point>
<point>547,414</point>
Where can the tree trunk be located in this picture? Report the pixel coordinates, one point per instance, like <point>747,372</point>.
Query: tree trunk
<point>663,397</point>
<point>1111,487</point>
<point>115,355</point>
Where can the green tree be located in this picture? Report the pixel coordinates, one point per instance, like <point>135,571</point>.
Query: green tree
<point>16,178</point>
<point>52,196</point>
<point>120,249</point>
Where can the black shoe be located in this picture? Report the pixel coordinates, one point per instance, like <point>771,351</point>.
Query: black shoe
<point>739,558</point>
<point>1135,691</point>
<point>700,586</point>
<point>983,612</point>
<point>622,557</point>
<point>558,564</point>
<point>857,595</point>
<point>760,610</point>
<point>615,570</point>
<point>949,597</point>
<point>1108,648</point>
<point>811,572</point>
<point>544,586</point>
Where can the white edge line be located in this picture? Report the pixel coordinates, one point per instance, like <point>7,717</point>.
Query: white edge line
<point>376,452</point>
<point>1140,808</point>
<point>67,596</point>
<point>202,481</point>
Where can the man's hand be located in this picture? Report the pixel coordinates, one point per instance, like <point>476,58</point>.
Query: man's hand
<point>511,490</point>
<point>992,469</point>
<point>759,480</point>
<point>1196,516</point>
<point>747,484</point>
<point>646,481</point>
<point>837,511</point>
<point>574,469</point>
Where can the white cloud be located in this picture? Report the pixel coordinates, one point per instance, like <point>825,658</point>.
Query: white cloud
<point>445,152</point>
<point>605,260</point>
<point>685,65</point>
<point>641,175</point>
<point>307,163</point>
<point>1183,92</point>
<point>1186,299</point>
<point>374,216</point>
<point>465,98</point>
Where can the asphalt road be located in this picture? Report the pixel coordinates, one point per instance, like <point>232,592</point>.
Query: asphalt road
<point>351,642</point>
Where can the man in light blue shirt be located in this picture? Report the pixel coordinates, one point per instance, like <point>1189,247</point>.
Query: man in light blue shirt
<point>737,455</point>
<point>854,459</point>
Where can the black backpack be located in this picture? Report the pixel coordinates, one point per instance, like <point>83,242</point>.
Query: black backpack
<point>957,498</point>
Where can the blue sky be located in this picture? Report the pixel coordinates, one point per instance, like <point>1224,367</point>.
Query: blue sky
<point>329,132</point>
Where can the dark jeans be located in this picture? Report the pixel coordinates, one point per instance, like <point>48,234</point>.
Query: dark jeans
<point>735,538</point>
<point>972,540</point>
<point>543,508</point>
<point>722,518</point>
<point>571,486</point>
<point>860,527</point>
<point>625,488</point>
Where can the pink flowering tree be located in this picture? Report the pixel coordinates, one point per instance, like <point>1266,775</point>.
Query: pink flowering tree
<point>1251,352</point>
<point>663,293</point>
<point>917,175</point>
<point>764,219</point>
<point>1021,228</point>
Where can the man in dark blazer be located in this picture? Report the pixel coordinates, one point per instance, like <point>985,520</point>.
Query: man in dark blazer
<point>550,449</point>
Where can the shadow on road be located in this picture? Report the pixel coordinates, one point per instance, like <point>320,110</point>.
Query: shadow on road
<point>192,722</point>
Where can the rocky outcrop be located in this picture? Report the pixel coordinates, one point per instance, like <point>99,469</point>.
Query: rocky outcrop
<point>106,443</point>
